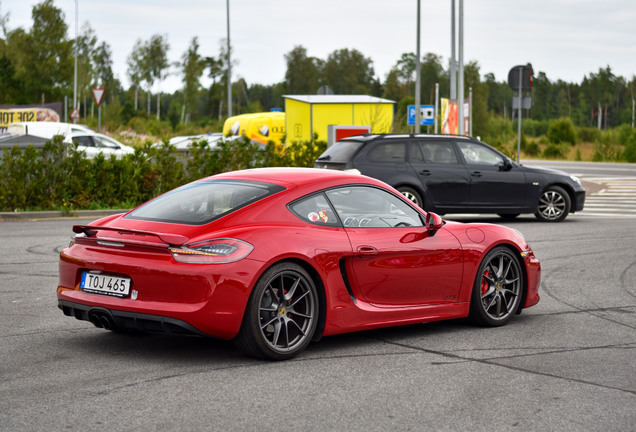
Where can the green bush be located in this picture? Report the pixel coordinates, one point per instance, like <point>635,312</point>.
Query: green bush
<point>532,148</point>
<point>534,128</point>
<point>587,134</point>
<point>59,177</point>
<point>561,130</point>
<point>555,151</point>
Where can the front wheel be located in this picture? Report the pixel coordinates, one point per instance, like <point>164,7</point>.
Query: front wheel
<point>498,288</point>
<point>281,315</point>
<point>554,205</point>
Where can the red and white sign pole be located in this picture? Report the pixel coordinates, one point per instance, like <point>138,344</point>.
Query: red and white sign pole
<point>98,94</point>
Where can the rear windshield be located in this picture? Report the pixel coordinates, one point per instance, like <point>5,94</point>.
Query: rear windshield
<point>202,202</point>
<point>342,151</point>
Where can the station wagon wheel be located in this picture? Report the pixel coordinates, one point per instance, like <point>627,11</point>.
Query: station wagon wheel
<point>412,195</point>
<point>554,205</point>
<point>281,315</point>
<point>498,288</point>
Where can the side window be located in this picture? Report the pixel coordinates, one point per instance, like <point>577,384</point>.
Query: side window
<point>415,153</point>
<point>387,152</point>
<point>83,141</point>
<point>439,152</point>
<point>369,207</point>
<point>477,154</point>
<point>315,210</point>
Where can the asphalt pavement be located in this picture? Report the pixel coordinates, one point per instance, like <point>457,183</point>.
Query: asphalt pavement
<point>566,364</point>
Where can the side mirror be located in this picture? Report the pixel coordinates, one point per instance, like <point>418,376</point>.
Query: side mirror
<point>433,223</point>
<point>507,165</point>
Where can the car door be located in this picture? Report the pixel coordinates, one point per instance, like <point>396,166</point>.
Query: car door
<point>495,183</point>
<point>444,178</point>
<point>85,143</point>
<point>395,261</point>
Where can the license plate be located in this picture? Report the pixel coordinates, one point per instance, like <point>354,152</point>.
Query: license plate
<point>96,283</point>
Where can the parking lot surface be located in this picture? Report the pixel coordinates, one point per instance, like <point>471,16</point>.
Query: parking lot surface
<point>566,364</point>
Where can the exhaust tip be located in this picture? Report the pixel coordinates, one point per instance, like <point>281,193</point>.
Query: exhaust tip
<point>101,320</point>
<point>95,319</point>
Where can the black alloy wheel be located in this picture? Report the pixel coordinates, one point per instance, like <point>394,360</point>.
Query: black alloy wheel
<point>498,288</point>
<point>554,205</point>
<point>281,315</point>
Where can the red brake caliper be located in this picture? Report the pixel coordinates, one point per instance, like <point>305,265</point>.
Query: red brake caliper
<point>484,282</point>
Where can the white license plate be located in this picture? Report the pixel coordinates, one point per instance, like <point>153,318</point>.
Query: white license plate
<point>117,286</point>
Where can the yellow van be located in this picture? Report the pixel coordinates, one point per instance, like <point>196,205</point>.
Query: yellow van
<point>259,127</point>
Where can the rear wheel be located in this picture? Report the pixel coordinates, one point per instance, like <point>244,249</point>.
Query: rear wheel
<point>412,195</point>
<point>498,288</point>
<point>281,315</point>
<point>554,205</point>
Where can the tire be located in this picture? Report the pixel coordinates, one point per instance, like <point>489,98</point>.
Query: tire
<point>554,205</point>
<point>412,195</point>
<point>281,315</point>
<point>498,288</point>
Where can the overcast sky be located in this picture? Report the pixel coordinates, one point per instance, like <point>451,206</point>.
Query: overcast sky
<point>566,39</point>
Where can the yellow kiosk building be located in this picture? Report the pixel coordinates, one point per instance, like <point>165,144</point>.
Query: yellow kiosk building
<point>306,115</point>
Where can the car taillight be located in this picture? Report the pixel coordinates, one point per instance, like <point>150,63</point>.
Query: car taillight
<point>216,251</point>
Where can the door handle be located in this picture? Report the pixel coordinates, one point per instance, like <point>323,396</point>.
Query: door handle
<point>367,251</point>
<point>475,174</point>
<point>425,172</point>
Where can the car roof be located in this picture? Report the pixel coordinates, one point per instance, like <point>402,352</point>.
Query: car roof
<point>295,176</point>
<point>370,137</point>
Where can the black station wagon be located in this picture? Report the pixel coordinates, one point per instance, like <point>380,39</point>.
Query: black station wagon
<point>457,174</point>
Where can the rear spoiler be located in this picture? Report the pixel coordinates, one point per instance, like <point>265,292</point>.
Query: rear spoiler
<point>170,239</point>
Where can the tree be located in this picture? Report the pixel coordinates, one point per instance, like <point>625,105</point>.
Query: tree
<point>41,58</point>
<point>135,70</point>
<point>103,69</point>
<point>156,65</point>
<point>86,43</point>
<point>192,66</point>
<point>480,97</point>
<point>303,72</point>
<point>349,72</point>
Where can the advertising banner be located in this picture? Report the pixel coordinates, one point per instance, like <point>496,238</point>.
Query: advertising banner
<point>21,113</point>
<point>450,116</point>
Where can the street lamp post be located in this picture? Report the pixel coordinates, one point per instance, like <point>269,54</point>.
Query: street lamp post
<point>417,74</point>
<point>229,64</point>
<point>75,79</point>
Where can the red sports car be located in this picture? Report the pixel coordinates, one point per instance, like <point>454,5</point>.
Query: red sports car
<point>274,258</point>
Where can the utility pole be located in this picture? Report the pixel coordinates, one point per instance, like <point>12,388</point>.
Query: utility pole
<point>418,77</point>
<point>453,68</point>
<point>460,90</point>
<point>75,79</point>
<point>229,64</point>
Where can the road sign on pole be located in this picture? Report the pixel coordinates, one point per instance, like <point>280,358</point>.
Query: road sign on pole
<point>75,114</point>
<point>427,115</point>
<point>98,94</point>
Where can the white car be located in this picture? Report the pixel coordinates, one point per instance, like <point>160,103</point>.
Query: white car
<point>183,143</point>
<point>93,143</point>
<point>46,129</point>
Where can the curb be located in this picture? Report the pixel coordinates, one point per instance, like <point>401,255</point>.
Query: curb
<point>39,215</point>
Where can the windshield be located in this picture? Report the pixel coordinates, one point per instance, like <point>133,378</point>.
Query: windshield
<point>203,201</point>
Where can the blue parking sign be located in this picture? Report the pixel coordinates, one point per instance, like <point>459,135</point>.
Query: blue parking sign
<point>427,115</point>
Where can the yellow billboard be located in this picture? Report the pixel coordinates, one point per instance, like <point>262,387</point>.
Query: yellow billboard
<point>13,115</point>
